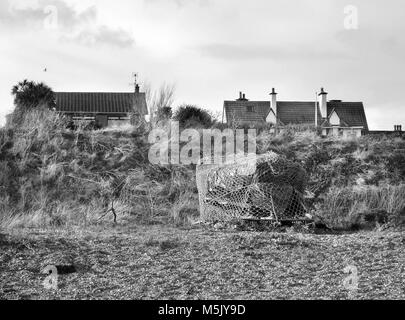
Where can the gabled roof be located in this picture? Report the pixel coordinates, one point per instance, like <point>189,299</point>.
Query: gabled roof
<point>297,112</point>
<point>237,110</point>
<point>326,122</point>
<point>101,102</point>
<point>351,113</point>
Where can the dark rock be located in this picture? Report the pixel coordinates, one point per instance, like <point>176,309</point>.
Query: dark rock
<point>66,269</point>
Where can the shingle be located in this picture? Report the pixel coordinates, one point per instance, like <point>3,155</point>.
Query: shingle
<point>237,110</point>
<point>296,112</point>
<point>350,112</point>
<point>101,102</point>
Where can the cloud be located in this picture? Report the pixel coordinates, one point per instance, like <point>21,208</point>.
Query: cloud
<point>64,20</point>
<point>25,13</point>
<point>180,3</point>
<point>370,42</point>
<point>103,34</point>
<point>266,52</point>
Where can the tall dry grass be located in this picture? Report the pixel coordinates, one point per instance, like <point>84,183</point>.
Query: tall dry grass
<point>362,206</point>
<point>53,176</point>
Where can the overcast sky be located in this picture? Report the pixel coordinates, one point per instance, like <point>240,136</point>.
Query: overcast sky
<point>211,49</point>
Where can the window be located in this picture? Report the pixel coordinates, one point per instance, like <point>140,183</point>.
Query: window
<point>249,109</point>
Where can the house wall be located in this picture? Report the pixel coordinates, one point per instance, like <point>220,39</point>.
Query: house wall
<point>105,121</point>
<point>351,132</point>
<point>271,118</point>
<point>342,132</point>
<point>102,120</point>
<point>118,123</point>
<point>334,119</point>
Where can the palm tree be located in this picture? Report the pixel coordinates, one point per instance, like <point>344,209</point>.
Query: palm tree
<point>30,94</point>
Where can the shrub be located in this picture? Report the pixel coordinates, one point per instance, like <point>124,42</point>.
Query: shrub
<point>164,113</point>
<point>29,95</point>
<point>193,116</point>
<point>396,165</point>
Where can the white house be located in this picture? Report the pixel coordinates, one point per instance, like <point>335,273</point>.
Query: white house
<point>335,117</point>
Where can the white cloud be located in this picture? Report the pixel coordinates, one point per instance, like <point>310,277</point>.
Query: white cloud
<point>65,20</point>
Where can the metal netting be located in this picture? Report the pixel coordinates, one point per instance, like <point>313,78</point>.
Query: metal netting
<point>260,187</point>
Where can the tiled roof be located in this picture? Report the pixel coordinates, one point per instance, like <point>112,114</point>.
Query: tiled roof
<point>100,102</point>
<point>297,112</point>
<point>352,113</point>
<point>237,111</point>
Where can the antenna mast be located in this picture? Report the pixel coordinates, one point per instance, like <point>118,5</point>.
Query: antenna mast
<point>135,83</point>
<point>316,109</point>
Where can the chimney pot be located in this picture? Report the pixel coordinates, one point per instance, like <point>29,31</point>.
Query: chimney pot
<point>322,92</point>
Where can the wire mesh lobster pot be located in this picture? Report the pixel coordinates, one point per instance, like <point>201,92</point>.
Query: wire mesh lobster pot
<point>254,187</point>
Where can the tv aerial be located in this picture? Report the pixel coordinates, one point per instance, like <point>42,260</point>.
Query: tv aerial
<point>135,76</point>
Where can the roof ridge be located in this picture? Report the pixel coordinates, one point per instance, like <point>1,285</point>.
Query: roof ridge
<point>235,101</point>
<point>345,101</point>
<point>97,92</point>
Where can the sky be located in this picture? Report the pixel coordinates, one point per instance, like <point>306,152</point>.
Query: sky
<point>211,49</point>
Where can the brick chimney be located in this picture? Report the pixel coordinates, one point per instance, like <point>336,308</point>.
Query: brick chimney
<point>323,103</point>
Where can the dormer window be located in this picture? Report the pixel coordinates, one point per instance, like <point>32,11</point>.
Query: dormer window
<point>249,109</point>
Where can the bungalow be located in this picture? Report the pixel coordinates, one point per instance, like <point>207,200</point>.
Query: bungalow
<point>335,117</point>
<point>105,108</point>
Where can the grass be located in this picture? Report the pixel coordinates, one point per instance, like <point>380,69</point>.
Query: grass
<point>54,176</point>
<point>360,207</point>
